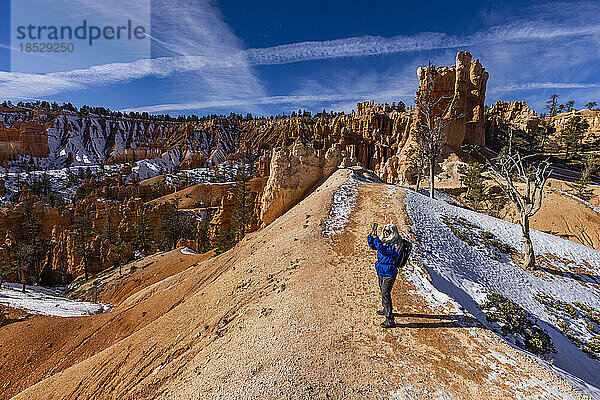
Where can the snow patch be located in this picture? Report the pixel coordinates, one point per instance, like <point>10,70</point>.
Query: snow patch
<point>187,250</point>
<point>47,301</point>
<point>467,273</point>
<point>344,200</point>
<point>587,203</point>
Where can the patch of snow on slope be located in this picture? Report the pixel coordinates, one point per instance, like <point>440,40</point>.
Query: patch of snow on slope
<point>187,251</point>
<point>344,200</point>
<point>47,301</point>
<point>467,274</point>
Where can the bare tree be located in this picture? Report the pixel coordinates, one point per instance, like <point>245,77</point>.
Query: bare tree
<point>506,170</point>
<point>435,114</point>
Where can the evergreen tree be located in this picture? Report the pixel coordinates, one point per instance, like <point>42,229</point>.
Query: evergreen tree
<point>120,260</point>
<point>571,135</point>
<point>580,188</point>
<point>5,268</point>
<point>173,226</point>
<point>59,204</point>
<point>82,233</point>
<point>202,237</point>
<point>417,162</point>
<point>551,105</point>
<point>545,130</point>
<point>34,243</point>
<point>108,232</point>
<point>472,178</point>
<point>241,211</point>
<point>225,241</point>
<point>569,106</point>
<point>142,235</point>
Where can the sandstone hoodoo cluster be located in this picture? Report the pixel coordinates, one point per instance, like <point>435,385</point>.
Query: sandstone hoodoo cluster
<point>290,156</point>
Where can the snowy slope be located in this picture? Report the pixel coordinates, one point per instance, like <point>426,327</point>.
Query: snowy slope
<point>46,301</point>
<point>92,139</point>
<point>468,272</point>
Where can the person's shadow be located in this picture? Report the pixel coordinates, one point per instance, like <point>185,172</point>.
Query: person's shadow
<point>437,321</point>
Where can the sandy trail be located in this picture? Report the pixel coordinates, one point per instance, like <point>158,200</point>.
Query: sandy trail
<point>290,314</point>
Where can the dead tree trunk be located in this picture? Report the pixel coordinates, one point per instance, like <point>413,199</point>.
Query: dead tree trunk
<point>431,178</point>
<point>508,168</point>
<point>529,261</point>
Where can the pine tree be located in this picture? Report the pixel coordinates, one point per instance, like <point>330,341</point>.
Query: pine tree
<point>82,233</point>
<point>417,162</point>
<point>5,268</point>
<point>569,106</point>
<point>166,228</point>
<point>202,238</point>
<point>240,214</point>
<point>59,204</point>
<point>472,178</point>
<point>35,244</point>
<point>545,130</point>
<point>108,232</point>
<point>572,134</point>
<point>173,226</point>
<point>580,188</point>
<point>225,241</point>
<point>22,261</point>
<point>142,235</point>
<point>551,105</point>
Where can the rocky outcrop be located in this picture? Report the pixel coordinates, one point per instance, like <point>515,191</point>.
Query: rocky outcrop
<point>293,174</point>
<point>463,84</point>
<point>376,135</point>
<point>592,117</point>
<point>516,115</point>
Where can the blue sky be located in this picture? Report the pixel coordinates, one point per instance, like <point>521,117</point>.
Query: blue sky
<point>271,57</point>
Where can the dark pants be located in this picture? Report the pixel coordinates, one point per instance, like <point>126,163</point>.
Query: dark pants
<point>386,283</point>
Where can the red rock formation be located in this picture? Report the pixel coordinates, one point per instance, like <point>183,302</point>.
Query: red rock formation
<point>293,174</point>
<point>592,117</point>
<point>464,84</point>
<point>515,115</point>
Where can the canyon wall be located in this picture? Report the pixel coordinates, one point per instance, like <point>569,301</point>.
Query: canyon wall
<point>376,136</point>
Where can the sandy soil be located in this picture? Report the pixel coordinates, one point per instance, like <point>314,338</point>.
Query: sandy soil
<point>286,314</point>
<point>191,197</point>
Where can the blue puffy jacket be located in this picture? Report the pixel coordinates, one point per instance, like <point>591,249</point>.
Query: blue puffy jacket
<point>387,257</point>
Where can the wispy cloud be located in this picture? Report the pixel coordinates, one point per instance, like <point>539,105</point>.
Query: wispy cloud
<point>520,53</point>
<point>543,85</point>
<point>299,100</point>
<point>193,38</point>
<point>227,55</point>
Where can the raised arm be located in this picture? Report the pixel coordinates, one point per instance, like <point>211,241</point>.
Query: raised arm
<point>374,242</point>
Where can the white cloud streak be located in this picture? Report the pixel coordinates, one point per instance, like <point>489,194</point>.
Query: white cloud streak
<point>292,99</point>
<point>543,85</point>
<point>211,49</point>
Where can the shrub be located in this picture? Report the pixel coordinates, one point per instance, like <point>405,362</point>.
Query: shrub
<point>584,313</point>
<point>517,322</point>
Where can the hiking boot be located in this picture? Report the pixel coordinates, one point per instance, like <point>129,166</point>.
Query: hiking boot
<point>388,323</point>
<point>380,312</point>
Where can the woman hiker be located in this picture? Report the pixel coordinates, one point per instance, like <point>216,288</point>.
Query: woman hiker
<point>391,253</point>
